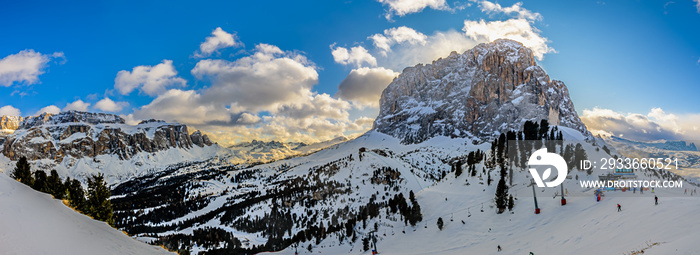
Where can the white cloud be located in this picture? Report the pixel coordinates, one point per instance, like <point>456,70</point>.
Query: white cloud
<point>404,7</point>
<point>365,85</point>
<point>184,106</point>
<point>655,125</point>
<point>697,5</point>
<point>267,95</point>
<point>8,110</point>
<point>357,56</point>
<point>515,29</point>
<point>219,39</point>
<point>490,8</point>
<point>107,105</point>
<point>25,66</point>
<point>52,109</point>
<point>77,105</point>
<point>396,35</point>
<point>151,80</point>
<point>438,45</point>
<point>261,82</point>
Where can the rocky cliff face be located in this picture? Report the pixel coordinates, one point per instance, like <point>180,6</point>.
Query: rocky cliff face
<point>83,134</point>
<point>9,123</point>
<point>489,89</point>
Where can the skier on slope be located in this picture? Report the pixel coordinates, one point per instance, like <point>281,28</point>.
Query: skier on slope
<point>656,200</point>
<point>619,207</point>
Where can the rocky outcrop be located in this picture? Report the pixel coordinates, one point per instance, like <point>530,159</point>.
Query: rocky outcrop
<point>83,134</point>
<point>487,90</point>
<point>9,123</point>
<point>200,140</point>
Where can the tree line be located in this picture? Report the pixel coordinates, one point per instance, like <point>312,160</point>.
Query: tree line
<point>93,202</point>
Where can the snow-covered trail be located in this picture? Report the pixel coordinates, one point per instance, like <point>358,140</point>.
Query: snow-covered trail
<point>34,223</point>
<point>583,226</point>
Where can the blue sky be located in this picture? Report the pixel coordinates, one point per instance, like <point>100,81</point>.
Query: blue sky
<point>629,65</point>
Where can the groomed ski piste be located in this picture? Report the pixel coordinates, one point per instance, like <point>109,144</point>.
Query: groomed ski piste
<point>32,222</point>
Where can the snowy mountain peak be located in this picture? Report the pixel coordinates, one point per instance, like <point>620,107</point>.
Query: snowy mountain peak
<point>71,117</point>
<point>489,89</point>
<point>9,123</point>
<point>84,134</point>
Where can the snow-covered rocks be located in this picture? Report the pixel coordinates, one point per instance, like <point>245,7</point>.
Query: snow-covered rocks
<point>487,90</point>
<point>84,134</point>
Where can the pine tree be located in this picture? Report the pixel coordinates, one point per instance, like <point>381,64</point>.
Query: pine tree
<point>76,195</point>
<point>22,172</point>
<point>99,206</point>
<point>40,183</point>
<point>502,192</point>
<point>55,186</point>
<point>440,223</point>
<point>511,203</point>
<point>458,168</point>
<point>544,129</point>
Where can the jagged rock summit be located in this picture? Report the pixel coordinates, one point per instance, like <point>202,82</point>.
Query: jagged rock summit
<point>489,89</point>
<point>84,134</point>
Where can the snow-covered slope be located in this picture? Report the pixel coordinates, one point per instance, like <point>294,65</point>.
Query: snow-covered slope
<point>34,223</point>
<point>331,187</point>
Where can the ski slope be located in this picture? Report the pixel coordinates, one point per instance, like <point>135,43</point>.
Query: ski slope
<point>34,223</point>
<point>583,226</point>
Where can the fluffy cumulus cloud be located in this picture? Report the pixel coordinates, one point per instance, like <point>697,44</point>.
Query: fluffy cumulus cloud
<point>516,9</point>
<point>8,110</point>
<point>219,39</point>
<point>401,34</point>
<point>184,106</point>
<point>151,80</point>
<point>24,67</point>
<point>266,95</point>
<point>108,105</point>
<point>357,56</point>
<point>260,82</point>
<point>77,105</point>
<point>655,125</point>
<point>520,30</point>
<point>697,5</point>
<point>52,109</point>
<point>404,7</point>
<point>437,45</point>
<point>400,47</point>
<point>365,85</point>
